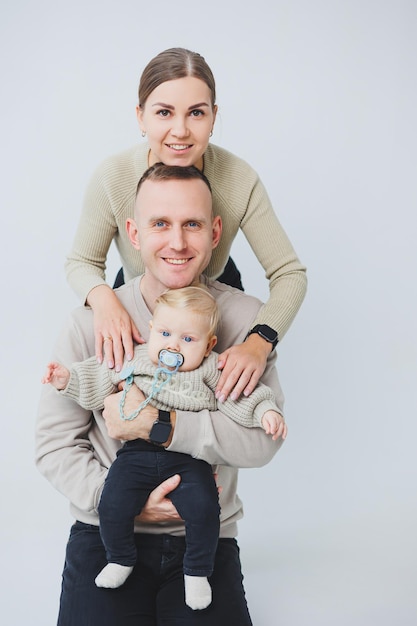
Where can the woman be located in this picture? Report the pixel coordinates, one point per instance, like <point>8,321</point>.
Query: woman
<point>176,112</point>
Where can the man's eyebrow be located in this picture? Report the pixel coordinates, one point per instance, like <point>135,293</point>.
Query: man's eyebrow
<point>169,218</point>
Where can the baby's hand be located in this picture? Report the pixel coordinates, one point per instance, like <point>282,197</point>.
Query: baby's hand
<point>274,424</point>
<point>57,375</point>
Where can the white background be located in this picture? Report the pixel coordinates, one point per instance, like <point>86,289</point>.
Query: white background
<point>320,98</point>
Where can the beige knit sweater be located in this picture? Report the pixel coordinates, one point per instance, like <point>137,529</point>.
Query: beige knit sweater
<point>90,383</point>
<point>239,197</point>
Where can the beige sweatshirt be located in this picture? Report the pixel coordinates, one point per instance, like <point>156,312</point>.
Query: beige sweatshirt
<point>74,451</point>
<point>239,197</point>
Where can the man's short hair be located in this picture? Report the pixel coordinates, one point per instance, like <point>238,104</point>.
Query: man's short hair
<point>160,171</point>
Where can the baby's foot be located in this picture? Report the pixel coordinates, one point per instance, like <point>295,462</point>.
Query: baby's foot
<point>197,592</point>
<point>113,575</point>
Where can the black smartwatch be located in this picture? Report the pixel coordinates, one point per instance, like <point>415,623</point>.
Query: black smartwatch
<point>161,428</point>
<point>266,332</point>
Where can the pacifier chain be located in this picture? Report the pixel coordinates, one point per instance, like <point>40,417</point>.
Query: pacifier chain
<point>166,359</point>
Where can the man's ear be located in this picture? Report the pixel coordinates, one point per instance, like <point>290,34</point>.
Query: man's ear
<point>133,232</point>
<point>211,345</point>
<point>217,231</point>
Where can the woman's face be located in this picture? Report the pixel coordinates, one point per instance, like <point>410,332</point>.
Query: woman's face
<point>178,118</point>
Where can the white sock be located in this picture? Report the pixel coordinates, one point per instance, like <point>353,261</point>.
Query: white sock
<point>113,575</point>
<point>197,592</point>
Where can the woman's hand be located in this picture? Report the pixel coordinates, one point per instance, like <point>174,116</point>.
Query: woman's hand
<point>242,366</point>
<point>114,329</point>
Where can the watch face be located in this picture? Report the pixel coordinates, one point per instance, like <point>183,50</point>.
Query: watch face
<point>160,432</point>
<point>267,333</point>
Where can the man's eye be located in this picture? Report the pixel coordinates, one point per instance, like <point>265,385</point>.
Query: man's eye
<point>165,333</point>
<point>160,224</point>
<point>192,224</point>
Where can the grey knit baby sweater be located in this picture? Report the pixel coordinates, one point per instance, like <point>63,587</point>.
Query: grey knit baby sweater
<point>90,383</point>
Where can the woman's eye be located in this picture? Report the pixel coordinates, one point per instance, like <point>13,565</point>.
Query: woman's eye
<point>163,113</point>
<point>197,113</point>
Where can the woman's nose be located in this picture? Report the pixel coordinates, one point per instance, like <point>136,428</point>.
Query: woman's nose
<point>180,128</point>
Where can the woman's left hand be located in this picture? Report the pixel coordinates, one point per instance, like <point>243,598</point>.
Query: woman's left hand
<point>242,366</point>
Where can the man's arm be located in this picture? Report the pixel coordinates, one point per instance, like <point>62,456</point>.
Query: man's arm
<point>205,435</point>
<point>73,450</point>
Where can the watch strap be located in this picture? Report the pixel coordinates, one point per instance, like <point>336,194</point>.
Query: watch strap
<point>164,416</point>
<point>266,332</point>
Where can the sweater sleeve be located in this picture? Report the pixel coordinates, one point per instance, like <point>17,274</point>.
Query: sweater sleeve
<point>221,441</point>
<point>246,411</point>
<point>90,383</point>
<point>286,275</point>
<point>108,202</point>
<point>241,199</point>
<point>86,263</point>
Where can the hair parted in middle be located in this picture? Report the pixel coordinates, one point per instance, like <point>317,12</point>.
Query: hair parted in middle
<point>172,64</point>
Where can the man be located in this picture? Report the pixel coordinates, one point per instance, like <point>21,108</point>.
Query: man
<point>175,231</point>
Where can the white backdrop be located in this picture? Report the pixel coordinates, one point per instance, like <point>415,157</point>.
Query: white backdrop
<point>320,98</point>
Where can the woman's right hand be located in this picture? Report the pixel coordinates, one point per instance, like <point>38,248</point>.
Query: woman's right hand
<point>114,329</point>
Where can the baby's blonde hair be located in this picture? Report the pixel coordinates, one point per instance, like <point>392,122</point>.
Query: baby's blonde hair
<point>195,298</point>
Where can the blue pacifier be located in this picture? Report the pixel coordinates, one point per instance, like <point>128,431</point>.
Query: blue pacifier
<point>171,359</point>
<point>167,358</point>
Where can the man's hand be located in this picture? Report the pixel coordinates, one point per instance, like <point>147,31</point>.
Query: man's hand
<point>138,428</point>
<point>158,508</point>
<point>242,366</point>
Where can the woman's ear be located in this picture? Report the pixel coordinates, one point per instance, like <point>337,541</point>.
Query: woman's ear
<point>139,117</point>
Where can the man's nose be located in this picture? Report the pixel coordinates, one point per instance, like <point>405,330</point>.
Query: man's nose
<point>177,241</point>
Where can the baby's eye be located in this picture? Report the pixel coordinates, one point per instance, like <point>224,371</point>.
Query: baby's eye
<point>165,333</point>
<point>188,339</point>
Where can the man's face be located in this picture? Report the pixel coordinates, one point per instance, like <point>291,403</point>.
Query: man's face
<point>175,232</point>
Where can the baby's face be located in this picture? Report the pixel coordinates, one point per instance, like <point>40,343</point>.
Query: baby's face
<point>181,331</point>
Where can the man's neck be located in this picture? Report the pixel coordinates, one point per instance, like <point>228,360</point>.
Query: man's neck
<point>151,290</point>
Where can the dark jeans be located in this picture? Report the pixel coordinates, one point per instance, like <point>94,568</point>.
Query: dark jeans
<point>153,595</point>
<point>139,468</point>
<point>230,276</point>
